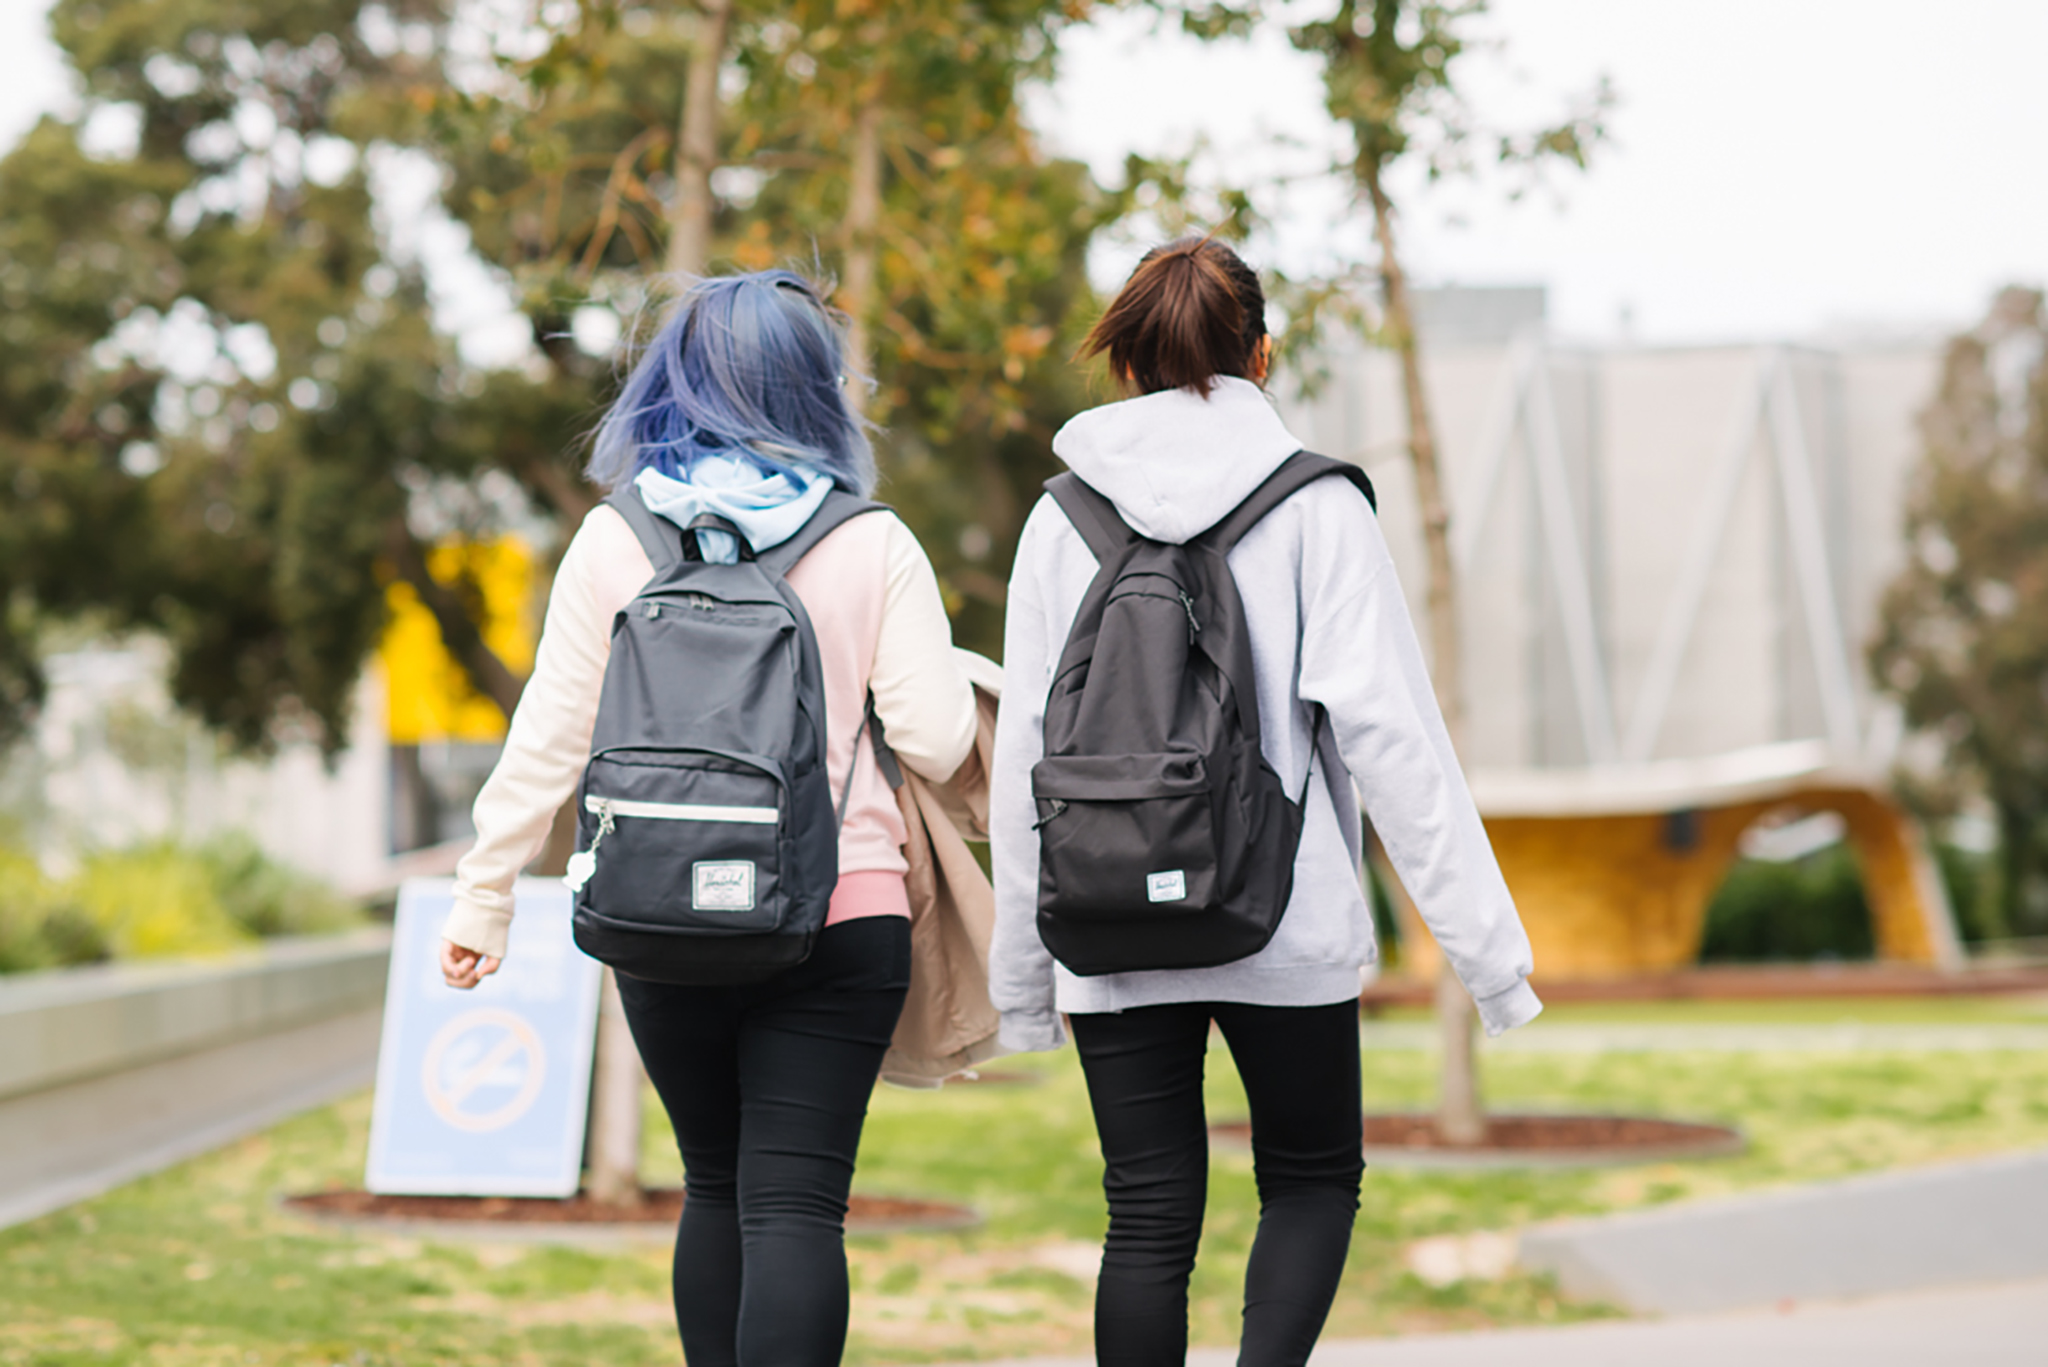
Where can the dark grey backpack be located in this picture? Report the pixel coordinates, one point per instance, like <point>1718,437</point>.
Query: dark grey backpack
<point>1165,839</point>
<point>708,831</point>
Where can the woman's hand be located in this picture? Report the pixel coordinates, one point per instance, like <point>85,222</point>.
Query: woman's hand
<point>465,968</point>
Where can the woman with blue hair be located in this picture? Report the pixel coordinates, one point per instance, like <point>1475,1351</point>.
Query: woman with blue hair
<point>737,407</point>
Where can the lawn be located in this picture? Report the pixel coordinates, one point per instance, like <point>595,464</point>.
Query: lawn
<point>197,1265</point>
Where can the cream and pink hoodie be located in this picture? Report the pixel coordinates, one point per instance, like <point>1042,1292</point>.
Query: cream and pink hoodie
<point>881,625</point>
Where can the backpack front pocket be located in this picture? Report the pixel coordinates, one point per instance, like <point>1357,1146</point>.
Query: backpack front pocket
<point>1124,836</point>
<point>683,842</point>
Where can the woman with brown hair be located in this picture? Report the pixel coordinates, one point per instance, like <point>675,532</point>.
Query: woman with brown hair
<point>1344,711</point>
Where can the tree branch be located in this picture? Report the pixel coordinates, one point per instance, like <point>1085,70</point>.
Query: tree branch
<point>460,633</point>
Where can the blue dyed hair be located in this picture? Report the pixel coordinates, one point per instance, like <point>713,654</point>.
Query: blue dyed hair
<point>746,364</point>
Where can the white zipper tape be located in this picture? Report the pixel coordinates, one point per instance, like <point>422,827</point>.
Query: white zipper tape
<point>679,811</point>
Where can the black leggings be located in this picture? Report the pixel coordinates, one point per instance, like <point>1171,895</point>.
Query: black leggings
<point>767,1087</point>
<point>1300,1068</point>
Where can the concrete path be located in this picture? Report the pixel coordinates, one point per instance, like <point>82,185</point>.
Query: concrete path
<point>1958,1224</point>
<point>1997,1326</point>
<point>67,1143</point>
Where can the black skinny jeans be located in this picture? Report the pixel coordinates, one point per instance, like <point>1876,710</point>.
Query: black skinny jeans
<point>767,1086</point>
<point>1300,1067</point>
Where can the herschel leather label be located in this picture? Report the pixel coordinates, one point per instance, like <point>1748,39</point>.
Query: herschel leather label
<point>722,885</point>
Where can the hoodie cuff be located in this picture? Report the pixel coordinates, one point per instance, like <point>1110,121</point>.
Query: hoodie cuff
<point>1503,1011</point>
<point>1030,1032</point>
<point>473,926</point>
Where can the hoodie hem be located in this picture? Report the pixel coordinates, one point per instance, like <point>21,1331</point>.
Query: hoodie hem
<point>1313,985</point>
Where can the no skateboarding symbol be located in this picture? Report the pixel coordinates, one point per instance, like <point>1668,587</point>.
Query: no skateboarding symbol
<point>483,1069</point>
<point>484,1093</point>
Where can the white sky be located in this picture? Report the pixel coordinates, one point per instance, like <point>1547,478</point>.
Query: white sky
<point>1778,167</point>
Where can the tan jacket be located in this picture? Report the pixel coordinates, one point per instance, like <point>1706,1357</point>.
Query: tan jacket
<point>948,1025</point>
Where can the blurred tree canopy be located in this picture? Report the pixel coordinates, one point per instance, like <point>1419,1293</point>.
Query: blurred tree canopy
<point>1963,636</point>
<point>228,412</point>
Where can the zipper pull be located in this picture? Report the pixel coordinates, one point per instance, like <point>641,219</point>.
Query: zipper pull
<point>1058,806</point>
<point>583,863</point>
<point>1187,605</point>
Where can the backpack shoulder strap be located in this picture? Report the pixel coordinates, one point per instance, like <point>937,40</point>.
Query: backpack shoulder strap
<point>839,506</point>
<point>1093,516</point>
<point>659,537</point>
<point>1300,469</point>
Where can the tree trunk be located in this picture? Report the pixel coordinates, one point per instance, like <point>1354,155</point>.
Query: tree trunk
<point>689,239</point>
<point>1446,656</point>
<point>616,1081</point>
<point>615,1105</point>
<point>1459,1117</point>
<point>863,221</point>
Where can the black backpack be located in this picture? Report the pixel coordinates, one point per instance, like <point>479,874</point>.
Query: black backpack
<point>708,834</point>
<point>1165,839</point>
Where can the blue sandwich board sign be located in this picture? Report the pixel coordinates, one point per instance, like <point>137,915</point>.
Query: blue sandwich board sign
<point>485,1092</point>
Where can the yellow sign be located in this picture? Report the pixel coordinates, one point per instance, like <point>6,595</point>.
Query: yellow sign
<point>427,695</point>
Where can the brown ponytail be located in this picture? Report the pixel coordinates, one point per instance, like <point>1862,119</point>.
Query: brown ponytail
<point>1191,311</point>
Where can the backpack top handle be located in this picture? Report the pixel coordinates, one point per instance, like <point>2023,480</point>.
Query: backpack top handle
<point>693,546</point>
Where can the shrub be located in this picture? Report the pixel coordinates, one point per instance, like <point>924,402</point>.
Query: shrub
<point>156,901</point>
<point>39,926</point>
<point>267,898</point>
<point>1811,908</point>
<point>1972,880</point>
<point>22,895</point>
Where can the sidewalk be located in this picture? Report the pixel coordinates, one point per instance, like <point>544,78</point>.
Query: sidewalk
<point>1999,1326</point>
<point>70,1142</point>
<point>1971,1223</point>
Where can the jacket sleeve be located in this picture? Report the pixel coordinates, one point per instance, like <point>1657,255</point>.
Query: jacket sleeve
<point>922,695</point>
<point>1020,967</point>
<point>546,748</point>
<point>1361,661</point>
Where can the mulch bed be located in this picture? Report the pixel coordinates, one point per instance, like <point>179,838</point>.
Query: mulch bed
<point>1510,1139</point>
<point>658,1206</point>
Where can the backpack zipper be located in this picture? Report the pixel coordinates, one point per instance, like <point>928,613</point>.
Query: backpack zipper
<point>1187,605</point>
<point>1058,806</point>
<point>605,808</point>
<point>584,863</point>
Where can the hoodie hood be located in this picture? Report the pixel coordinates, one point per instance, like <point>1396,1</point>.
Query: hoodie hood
<point>768,506</point>
<point>1173,462</point>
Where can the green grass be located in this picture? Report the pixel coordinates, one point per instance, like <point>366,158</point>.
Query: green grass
<point>198,1265</point>
<point>2010,1009</point>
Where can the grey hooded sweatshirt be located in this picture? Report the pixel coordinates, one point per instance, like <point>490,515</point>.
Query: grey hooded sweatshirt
<point>1328,625</point>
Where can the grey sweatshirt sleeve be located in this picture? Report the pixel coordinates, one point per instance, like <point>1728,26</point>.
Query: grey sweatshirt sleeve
<point>1020,967</point>
<point>1361,661</point>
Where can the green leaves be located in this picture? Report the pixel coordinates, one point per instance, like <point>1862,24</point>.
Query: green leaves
<point>1963,636</point>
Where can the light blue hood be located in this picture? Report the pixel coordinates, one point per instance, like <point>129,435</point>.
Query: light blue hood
<point>768,506</point>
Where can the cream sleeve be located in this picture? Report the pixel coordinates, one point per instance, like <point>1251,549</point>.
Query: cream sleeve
<point>922,694</point>
<point>547,744</point>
